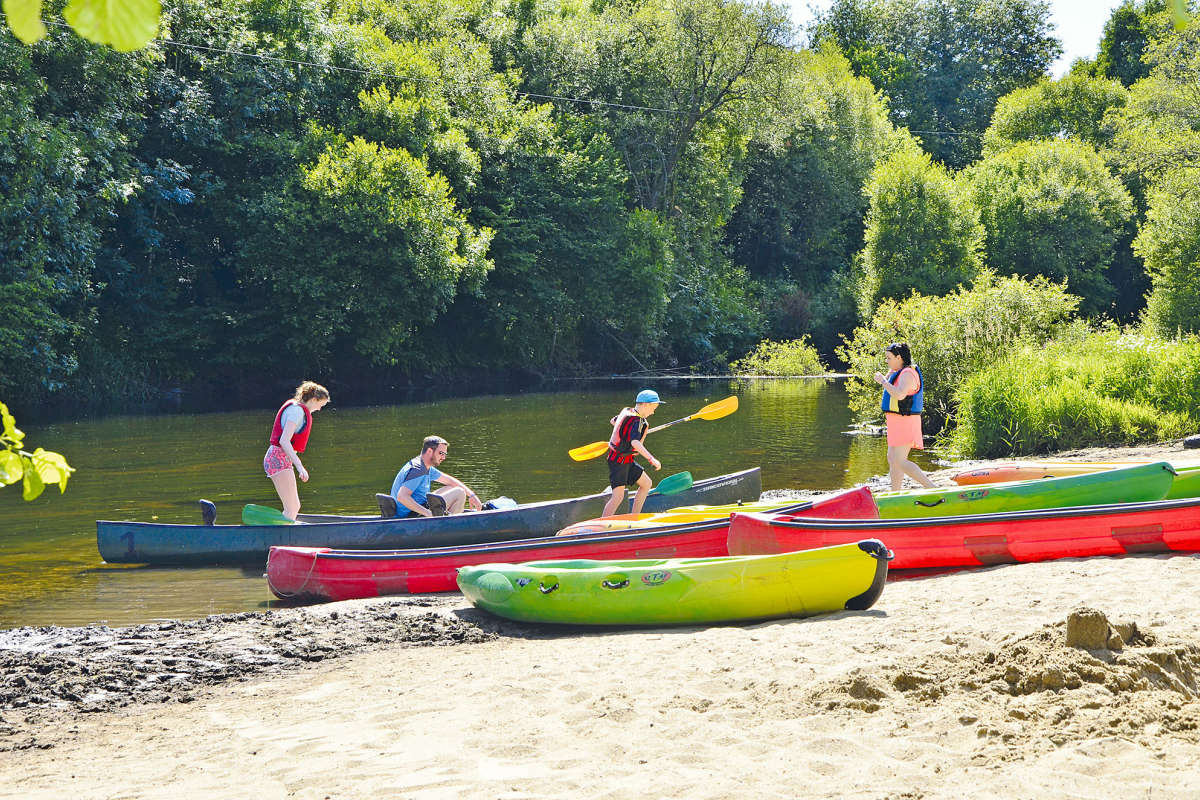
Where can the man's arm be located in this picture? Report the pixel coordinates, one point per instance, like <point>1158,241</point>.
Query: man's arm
<point>450,480</point>
<point>404,497</point>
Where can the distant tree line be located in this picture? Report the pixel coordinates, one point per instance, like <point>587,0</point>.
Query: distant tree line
<point>403,190</point>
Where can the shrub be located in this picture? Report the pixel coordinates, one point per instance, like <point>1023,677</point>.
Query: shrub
<point>795,357</point>
<point>953,336</point>
<point>1106,388</point>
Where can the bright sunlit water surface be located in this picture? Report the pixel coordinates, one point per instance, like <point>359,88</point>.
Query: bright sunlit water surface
<point>155,467</point>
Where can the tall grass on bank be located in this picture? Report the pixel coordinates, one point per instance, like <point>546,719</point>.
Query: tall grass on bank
<point>953,336</point>
<point>794,357</point>
<point>1106,388</point>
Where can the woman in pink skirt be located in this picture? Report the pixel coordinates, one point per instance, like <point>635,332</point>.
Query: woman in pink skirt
<point>289,437</point>
<point>903,401</point>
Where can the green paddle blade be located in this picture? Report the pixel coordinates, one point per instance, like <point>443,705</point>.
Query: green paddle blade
<point>263,515</point>
<point>674,484</point>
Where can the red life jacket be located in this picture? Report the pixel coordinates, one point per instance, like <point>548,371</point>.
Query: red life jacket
<point>299,438</point>
<point>628,427</point>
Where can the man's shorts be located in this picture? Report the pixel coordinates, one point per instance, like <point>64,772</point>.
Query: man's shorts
<point>621,475</point>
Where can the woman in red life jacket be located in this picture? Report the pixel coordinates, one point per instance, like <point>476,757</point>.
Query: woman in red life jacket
<point>289,436</point>
<point>902,404</point>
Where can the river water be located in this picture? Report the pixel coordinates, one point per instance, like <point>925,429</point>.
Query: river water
<point>155,467</point>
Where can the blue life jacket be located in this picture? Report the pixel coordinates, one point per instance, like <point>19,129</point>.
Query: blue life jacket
<point>913,404</point>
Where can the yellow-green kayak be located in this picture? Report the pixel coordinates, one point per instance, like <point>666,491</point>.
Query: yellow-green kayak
<point>682,591</point>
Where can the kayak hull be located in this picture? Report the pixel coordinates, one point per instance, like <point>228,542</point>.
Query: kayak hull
<point>155,543</point>
<point>320,574</point>
<point>681,591</point>
<point>849,504</point>
<point>1143,482</point>
<point>987,539</point>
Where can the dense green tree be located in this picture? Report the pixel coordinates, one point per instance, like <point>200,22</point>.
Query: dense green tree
<point>923,232</point>
<point>1169,241</point>
<point>800,219</point>
<point>943,63</point>
<point>1052,208</point>
<point>1159,129</point>
<point>1127,33</point>
<point>1072,107</point>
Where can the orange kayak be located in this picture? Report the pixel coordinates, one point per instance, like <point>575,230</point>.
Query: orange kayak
<point>1035,470</point>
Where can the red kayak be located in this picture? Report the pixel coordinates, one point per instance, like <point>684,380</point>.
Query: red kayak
<point>985,539</point>
<point>322,573</point>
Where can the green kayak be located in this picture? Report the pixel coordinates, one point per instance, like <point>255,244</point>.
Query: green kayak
<point>1127,485</point>
<point>1186,485</point>
<point>681,591</point>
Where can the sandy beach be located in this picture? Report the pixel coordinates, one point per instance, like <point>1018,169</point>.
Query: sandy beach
<point>1077,678</point>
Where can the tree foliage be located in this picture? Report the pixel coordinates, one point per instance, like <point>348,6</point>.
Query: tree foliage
<point>1170,244</point>
<point>385,190</point>
<point>923,233</point>
<point>944,63</point>
<point>1072,107</point>
<point>35,470</point>
<point>1052,208</point>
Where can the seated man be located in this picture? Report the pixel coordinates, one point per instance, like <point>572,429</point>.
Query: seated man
<point>412,485</point>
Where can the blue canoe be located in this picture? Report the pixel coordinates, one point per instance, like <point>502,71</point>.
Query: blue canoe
<point>166,543</point>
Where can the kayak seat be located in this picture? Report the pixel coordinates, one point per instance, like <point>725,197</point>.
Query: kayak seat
<point>387,505</point>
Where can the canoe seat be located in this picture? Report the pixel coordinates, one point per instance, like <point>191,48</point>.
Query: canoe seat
<point>387,505</point>
<point>208,512</point>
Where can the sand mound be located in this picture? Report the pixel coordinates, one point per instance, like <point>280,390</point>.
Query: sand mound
<point>1081,678</point>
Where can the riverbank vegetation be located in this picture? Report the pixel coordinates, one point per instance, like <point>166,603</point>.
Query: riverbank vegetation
<point>387,193</point>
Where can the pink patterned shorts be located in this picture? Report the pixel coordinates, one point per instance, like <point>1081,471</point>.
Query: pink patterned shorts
<point>276,461</point>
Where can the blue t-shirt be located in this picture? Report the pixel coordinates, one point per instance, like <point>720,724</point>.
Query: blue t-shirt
<point>417,477</point>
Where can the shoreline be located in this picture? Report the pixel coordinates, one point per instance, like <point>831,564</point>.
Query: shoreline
<point>924,679</point>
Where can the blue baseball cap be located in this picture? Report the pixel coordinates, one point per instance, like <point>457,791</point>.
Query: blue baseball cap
<point>648,396</point>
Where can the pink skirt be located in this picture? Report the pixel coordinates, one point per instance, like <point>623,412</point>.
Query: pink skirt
<point>904,431</point>
<point>275,460</point>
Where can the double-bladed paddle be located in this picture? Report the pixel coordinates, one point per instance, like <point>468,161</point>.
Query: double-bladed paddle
<point>673,484</point>
<point>263,515</point>
<point>721,408</point>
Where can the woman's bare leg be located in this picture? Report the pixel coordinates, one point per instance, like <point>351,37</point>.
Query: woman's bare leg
<point>285,487</point>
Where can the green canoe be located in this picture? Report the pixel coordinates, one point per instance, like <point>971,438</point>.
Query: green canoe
<point>682,591</point>
<point>1127,485</point>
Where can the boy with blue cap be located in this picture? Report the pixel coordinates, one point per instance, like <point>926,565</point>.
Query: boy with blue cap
<point>629,431</point>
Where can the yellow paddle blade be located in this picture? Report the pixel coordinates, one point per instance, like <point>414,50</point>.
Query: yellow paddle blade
<point>588,451</point>
<point>721,408</point>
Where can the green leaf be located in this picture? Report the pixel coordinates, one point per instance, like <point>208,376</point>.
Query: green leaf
<point>33,485</point>
<point>52,467</point>
<point>10,467</point>
<point>11,431</point>
<point>124,24</point>
<point>25,19</point>
<point>1179,14</point>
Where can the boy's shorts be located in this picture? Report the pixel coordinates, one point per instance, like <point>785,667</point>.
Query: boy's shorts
<point>622,475</point>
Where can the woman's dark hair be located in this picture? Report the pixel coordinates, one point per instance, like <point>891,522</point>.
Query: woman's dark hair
<point>900,349</point>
